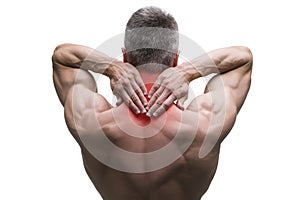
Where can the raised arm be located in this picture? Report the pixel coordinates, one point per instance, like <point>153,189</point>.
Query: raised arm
<point>67,60</point>
<point>226,92</point>
<point>70,65</point>
<point>233,66</point>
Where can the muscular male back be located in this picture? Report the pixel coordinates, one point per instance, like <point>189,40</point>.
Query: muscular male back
<point>91,119</point>
<point>187,178</point>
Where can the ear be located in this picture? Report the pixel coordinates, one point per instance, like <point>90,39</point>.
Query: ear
<point>124,55</point>
<point>175,59</point>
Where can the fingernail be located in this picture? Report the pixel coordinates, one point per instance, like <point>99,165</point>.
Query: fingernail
<point>138,112</point>
<point>149,96</point>
<point>145,93</point>
<point>148,115</point>
<point>144,111</point>
<point>155,114</point>
<point>145,103</point>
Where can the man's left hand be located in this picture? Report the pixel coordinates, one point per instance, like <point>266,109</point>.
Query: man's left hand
<point>170,85</point>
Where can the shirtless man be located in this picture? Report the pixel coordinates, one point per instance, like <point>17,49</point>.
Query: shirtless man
<point>151,88</point>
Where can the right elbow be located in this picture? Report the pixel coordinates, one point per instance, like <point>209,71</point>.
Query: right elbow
<point>60,53</point>
<point>57,53</point>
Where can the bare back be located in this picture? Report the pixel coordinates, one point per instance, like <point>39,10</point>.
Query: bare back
<point>187,178</point>
<point>129,170</point>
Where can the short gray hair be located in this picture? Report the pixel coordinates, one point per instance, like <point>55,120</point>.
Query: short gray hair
<point>151,36</point>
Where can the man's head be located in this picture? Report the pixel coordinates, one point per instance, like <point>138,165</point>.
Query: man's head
<point>151,37</point>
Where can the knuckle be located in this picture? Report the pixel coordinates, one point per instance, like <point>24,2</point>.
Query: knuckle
<point>136,88</point>
<point>131,71</point>
<point>160,102</point>
<point>140,94</point>
<point>176,94</point>
<point>115,89</point>
<point>131,75</point>
<point>134,71</point>
<point>155,87</point>
<point>156,95</point>
<point>126,81</point>
<point>134,98</point>
<point>166,82</point>
<point>165,105</point>
<point>170,88</point>
<point>129,101</point>
<point>116,85</point>
<point>117,92</point>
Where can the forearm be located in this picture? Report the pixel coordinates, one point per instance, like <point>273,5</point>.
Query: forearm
<point>217,61</point>
<point>77,56</point>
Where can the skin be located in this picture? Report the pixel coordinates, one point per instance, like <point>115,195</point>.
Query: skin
<point>189,177</point>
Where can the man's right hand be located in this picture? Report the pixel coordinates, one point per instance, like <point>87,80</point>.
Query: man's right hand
<point>126,83</point>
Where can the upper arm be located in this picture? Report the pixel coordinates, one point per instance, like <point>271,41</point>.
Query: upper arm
<point>65,78</point>
<point>76,89</point>
<point>224,96</point>
<point>234,84</point>
<point>67,73</point>
<point>229,91</point>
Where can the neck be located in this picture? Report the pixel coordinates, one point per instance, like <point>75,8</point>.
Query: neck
<point>149,73</point>
<point>149,79</point>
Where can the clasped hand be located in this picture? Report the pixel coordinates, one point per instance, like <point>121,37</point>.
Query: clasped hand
<point>170,86</point>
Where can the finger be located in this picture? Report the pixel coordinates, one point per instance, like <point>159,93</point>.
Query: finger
<point>160,99</point>
<point>165,106</point>
<point>119,101</point>
<point>127,100</point>
<point>135,99</point>
<point>180,103</point>
<point>155,96</point>
<point>141,85</point>
<point>181,95</point>
<point>159,111</point>
<point>140,93</point>
<point>155,87</point>
<point>152,109</point>
<point>164,95</point>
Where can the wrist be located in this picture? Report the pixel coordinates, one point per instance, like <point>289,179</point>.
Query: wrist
<point>189,71</point>
<point>111,70</point>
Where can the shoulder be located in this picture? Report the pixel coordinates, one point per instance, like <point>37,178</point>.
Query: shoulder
<point>202,104</point>
<point>215,116</point>
<point>82,107</point>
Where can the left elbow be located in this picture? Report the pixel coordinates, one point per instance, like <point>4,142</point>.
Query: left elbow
<point>246,55</point>
<point>64,54</point>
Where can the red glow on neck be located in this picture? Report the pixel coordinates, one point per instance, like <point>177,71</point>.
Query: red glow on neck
<point>142,119</point>
<point>148,87</point>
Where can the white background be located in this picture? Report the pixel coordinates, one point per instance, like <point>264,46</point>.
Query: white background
<point>39,158</point>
